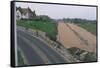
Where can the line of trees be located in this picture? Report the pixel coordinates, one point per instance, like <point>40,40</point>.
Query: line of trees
<point>79,20</point>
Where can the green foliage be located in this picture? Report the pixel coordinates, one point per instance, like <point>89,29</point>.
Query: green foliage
<point>90,57</point>
<point>20,59</point>
<point>45,26</point>
<point>91,27</point>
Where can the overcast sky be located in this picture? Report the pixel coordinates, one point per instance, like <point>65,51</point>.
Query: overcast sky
<point>61,11</point>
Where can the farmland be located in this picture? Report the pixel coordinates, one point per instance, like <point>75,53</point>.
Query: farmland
<point>71,35</point>
<point>91,27</point>
<point>46,26</point>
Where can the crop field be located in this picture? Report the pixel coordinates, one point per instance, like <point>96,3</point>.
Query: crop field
<point>91,27</point>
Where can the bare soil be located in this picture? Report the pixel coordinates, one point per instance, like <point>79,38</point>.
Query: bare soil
<point>71,35</point>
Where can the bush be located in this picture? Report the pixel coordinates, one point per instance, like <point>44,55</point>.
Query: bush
<point>90,57</point>
<point>20,59</point>
<point>79,54</point>
<point>50,28</point>
<point>51,36</point>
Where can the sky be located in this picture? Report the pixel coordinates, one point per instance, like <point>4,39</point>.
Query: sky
<point>61,11</point>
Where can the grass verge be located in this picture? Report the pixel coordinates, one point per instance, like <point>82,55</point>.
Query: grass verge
<point>20,59</point>
<point>46,26</point>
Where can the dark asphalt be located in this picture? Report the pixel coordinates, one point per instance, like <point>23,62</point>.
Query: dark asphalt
<point>31,55</point>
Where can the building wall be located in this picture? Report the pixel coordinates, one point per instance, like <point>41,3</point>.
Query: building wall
<point>25,16</point>
<point>18,15</point>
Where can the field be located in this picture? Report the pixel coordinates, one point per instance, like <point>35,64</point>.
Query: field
<point>46,26</point>
<point>91,27</point>
<point>71,35</point>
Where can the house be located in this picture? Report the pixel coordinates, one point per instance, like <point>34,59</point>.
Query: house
<point>18,15</point>
<point>25,13</point>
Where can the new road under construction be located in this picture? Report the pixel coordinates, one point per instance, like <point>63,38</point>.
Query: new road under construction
<point>72,35</point>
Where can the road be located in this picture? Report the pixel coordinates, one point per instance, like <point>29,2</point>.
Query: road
<point>71,35</point>
<point>35,51</point>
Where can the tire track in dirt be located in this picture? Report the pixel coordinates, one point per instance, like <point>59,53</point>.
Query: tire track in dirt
<point>87,36</point>
<point>81,38</point>
<point>74,36</point>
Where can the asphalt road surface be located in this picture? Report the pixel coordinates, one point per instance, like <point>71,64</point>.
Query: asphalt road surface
<point>35,51</point>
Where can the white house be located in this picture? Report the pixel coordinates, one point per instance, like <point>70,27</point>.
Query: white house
<point>24,13</point>
<point>18,15</point>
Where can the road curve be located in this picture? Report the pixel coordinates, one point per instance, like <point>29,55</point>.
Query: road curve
<point>26,42</point>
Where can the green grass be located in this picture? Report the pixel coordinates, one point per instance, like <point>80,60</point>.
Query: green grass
<point>20,59</point>
<point>45,26</point>
<point>91,27</point>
